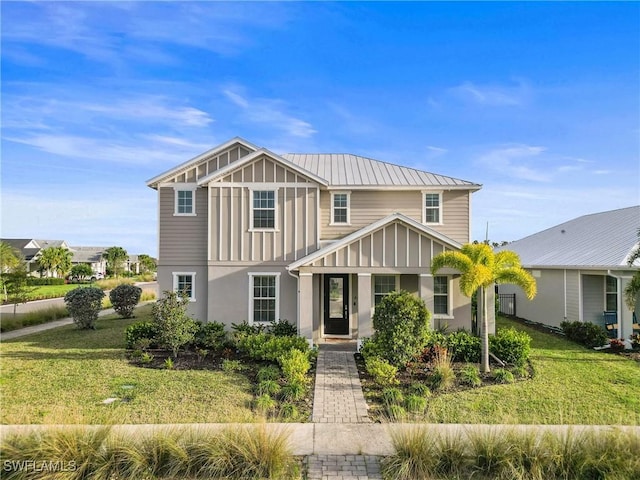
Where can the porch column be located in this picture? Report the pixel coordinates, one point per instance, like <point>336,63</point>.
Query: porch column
<point>625,316</point>
<point>305,305</point>
<point>425,288</point>
<point>365,322</point>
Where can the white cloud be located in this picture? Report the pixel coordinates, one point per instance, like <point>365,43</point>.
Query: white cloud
<point>269,112</point>
<point>493,95</point>
<point>435,152</point>
<point>512,161</point>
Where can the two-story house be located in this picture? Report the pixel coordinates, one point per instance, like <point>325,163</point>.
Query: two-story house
<point>317,239</point>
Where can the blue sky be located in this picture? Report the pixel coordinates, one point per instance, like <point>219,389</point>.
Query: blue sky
<point>539,102</point>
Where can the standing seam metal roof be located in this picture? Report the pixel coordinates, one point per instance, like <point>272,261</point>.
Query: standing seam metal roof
<point>597,240</point>
<point>346,169</point>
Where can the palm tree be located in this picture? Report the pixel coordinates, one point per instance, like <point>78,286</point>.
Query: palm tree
<point>633,287</point>
<point>56,259</point>
<point>9,257</point>
<point>480,268</point>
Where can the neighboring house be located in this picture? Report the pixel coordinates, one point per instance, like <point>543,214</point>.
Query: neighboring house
<point>30,249</point>
<point>91,256</point>
<point>581,270</point>
<point>316,239</point>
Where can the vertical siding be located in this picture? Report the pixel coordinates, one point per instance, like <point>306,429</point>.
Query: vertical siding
<point>182,239</point>
<point>548,305</point>
<point>573,295</point>
<point>593,298</point>
<point>369,206</point>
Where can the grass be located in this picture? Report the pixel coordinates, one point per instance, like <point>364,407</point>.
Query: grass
<point>422,453</point>
<point>43,292</point>
<point>571,385</point>
<point>63,375</point>
<point>99,454</point>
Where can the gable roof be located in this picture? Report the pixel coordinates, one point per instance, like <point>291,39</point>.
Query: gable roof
<point>346,170</point>
<point>597,240</point>
<point>363,232</point>
<point>153,182</point>
<point>253,156</point>
<point>29,248</point>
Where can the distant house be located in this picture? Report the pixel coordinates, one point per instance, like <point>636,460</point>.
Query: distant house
<point>30,249</point>
<point>317,239</point>
<point>581,270</point>
<point>91,256</point>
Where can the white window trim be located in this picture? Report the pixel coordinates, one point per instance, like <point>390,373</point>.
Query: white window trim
<point>333,194</point>
<point>250,305</point>
<point>445,316</point>
<point>606,292</point>
<point>373,287</point>
<point>275,208</point>
<point>181,187</point>
<point>424,207</point>
<point>175,275</point>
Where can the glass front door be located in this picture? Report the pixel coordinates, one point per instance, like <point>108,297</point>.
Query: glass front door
<point>336,304</point>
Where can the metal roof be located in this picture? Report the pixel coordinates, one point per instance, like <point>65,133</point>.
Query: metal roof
<point>343,169</point>
<point>597,240</point>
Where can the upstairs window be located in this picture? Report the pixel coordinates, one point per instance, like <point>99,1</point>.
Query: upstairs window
<point>340,208</point>
<point>432,207</point>
<point>264,209</point>
<point>441,295</point>
<point>185,200</point>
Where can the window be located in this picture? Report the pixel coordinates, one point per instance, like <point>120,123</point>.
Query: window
<point>264,209</point>
<point>432,208</point>
<point>185,200</point>
<point>441,295</point>
<point>611,294</point>
<point>340,208</point>
<point>263,297</point>
<point>383,285</point>
<point>184,283</point>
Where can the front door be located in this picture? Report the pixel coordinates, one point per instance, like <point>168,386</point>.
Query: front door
<point>336,304</point>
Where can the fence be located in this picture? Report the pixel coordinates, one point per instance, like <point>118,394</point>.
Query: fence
<point>507,303</point>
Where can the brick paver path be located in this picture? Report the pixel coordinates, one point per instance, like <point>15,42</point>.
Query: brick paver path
<point>343,467</point>
<point>338,396</point>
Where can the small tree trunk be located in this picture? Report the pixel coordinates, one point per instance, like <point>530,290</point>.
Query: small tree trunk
<point>484,351</point>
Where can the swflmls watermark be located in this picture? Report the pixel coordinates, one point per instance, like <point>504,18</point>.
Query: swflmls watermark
<point>39,466</point>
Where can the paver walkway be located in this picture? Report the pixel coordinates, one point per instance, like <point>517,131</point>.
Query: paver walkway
<point>338,398</point>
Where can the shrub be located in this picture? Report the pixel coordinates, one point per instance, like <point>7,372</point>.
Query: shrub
<point>265,404</point>
<point>124,299</point>
<point>243,329</point>
<point>295,365</point>
<point>369,349</point>
<point>401,323</point>
<point>635,340</point>
<point>293,391</point>
<point>383,373</point>
<point>264,346</point>
<point>501,375</point>
<point>616,344</point>
<point>283,328</point>
<point>168,363</point>
<point>269,387</point>
<point>463,346</point>
<point>84,304</point>
<point>288,410</point>
<point>511,346</point>
<point>270,372</point>
<point>175,328</point>
<point>136,332</point>
<point>396,412</point>
<point>229,366</point>
<point>415,403</point>
<point>392,395</point>
<point>420,389</point>
<point>585,333</point>
<point>442,375</point>
<point>209,335</point>
<point>470,375</point>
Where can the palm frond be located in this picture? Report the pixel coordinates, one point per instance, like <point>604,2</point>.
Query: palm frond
<point>479,253</point>
<point>455,260</point>
<point>520,277</point>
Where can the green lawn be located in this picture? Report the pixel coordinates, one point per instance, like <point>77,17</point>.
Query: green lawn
<point>63,375</point>
<point>42,292</point>
<point>572,385</point>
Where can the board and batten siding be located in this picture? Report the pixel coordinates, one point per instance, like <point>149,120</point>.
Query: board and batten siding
<point>296,234</point>
<point>368,206</point>
<point>573,295</point>
<point>182,239</point>
<point>192,173</point>
<point>593,295</point>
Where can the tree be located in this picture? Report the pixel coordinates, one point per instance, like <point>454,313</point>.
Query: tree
<point>115,257</point>
<point>632,289</point>
<point>84,304</point>
<point>55,259</point>
<point>17,289</point>
<point>9,257</point>
<point>480,268</point>
<point>148,263</point>
<point>81,271</point>
<point>124,299</point>
<point>175,328</point>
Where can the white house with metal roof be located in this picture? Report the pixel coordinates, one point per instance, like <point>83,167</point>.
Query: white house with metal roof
<point>581,270</point>
<point>317,239</point>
